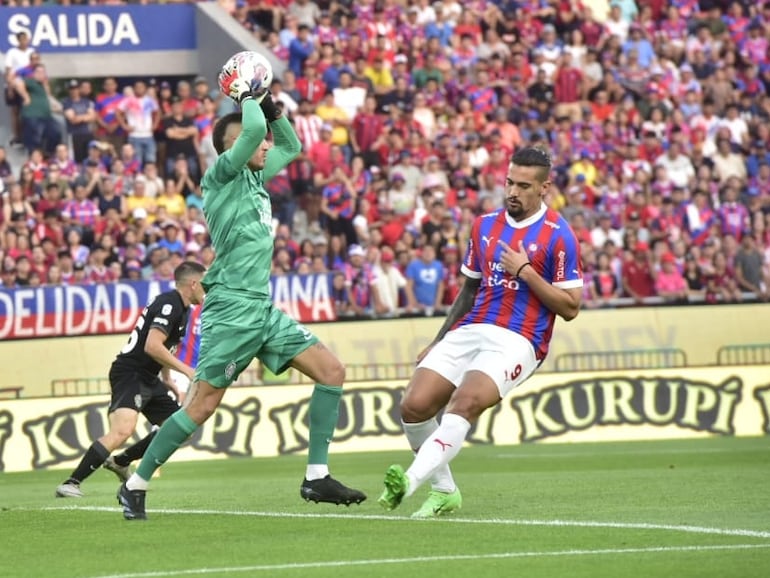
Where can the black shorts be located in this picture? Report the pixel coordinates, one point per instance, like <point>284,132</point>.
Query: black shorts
<point>12,98</point>
<point>147,395</point>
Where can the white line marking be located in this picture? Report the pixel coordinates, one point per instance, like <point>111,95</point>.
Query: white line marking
<point>447,558</point>
<point>579,454</point>
<point>491,521</point>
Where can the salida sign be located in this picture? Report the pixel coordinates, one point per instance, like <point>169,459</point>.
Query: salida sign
<point>270,421</point>
<point>101,28</point>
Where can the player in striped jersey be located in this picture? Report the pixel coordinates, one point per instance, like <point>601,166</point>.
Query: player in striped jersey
<point>187,352</point>
<point>522,269</point>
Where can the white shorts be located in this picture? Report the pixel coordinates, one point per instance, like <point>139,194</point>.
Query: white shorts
<point>181,381</point>
<point>505,356</point>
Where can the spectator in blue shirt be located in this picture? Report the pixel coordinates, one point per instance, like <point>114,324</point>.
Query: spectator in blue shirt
<point>300,49</point>
<point>637,41</point>
<point>425,281</point>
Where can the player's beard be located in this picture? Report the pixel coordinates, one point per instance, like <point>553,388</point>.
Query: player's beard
<point>515,209</point>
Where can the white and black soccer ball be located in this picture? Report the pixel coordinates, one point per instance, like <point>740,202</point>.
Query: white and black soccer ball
<point>248,65</point>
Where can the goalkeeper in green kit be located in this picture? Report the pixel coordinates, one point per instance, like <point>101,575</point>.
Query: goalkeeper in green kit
<point>239,321</point>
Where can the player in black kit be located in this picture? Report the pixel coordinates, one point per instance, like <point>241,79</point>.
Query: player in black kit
<point>134,381</point>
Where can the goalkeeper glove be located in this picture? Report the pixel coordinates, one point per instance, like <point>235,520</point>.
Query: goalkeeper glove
<point>271,110</point>
<point>241,89</point>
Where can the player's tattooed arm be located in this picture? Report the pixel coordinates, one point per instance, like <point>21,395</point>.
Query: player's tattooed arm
<point>463,304</point>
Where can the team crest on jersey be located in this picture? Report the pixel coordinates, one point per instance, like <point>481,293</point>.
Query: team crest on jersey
<point>138,401</point>
<point>166,309</point>
<point>532,247</point>
<point>230,370</point>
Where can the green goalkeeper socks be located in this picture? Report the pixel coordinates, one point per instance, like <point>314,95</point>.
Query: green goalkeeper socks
<point>170,436</point>
<point>324,412</point>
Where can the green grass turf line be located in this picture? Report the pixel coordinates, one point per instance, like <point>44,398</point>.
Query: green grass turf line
<point>539,493</point>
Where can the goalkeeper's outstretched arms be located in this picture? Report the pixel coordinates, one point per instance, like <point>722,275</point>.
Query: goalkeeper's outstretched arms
<point>286,143</point>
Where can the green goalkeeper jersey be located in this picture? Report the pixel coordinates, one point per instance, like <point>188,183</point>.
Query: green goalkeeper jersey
<point>237,207</point>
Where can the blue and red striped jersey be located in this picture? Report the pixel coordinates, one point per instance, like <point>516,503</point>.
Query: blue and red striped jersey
<point>508,302</point>
<point>187,350</point>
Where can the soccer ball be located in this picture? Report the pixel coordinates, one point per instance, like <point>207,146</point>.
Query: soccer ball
<point>251,66</point>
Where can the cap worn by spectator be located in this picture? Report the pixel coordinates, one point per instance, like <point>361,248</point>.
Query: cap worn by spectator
<point>400,59</point>
<point>139,213</point>
<point>668,258</point>
<point>79,266</point>
<point>397,177</point>
<point>73,84</point>
<point>168,225</point>
<point>200,80</point>
<point>320,240</point>
<point>198,229</point>
<point>634,215</point>
<point>327,126</point>
<point>356,250</point>
<point>641,247</point>
<point>387,255</point>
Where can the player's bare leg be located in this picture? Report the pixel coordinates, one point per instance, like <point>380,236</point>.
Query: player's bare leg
<point>477,392</point>
<point>122,425</point>
<point>323,367</point>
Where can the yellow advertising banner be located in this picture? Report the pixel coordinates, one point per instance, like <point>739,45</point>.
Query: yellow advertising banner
<point>270,421</point>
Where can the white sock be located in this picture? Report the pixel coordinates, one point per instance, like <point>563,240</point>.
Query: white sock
<point>135,482</point>
<point>316,471</point>
<point>416,434</point>
<point>441,447</point>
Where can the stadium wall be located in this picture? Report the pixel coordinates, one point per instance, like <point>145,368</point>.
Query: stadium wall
<point>557,407</point>
<point>699,331</point>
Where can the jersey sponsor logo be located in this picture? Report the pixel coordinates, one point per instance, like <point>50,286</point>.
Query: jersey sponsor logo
<point>167,308</point>
<point>552,224</point>
<point>487,240</point>
<point>230,370</point>
<point>160,321</point>
<point>499,277</point>
<point>560,259</point>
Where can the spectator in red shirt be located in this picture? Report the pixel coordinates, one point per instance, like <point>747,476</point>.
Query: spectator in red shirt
<point>310,86</point>
<point>638,279</point>
<point>568,88</point>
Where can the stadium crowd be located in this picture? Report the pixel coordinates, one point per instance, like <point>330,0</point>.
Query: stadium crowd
<point>655,114</point>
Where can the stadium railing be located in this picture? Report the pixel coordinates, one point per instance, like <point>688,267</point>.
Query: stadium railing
<point>749,354</point>
<point>79,386</point>
<point>10,392</point>
<point>625,360</point>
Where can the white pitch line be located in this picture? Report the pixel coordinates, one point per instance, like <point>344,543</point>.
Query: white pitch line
<point>422,559</point>
<point>581,454</point>
<point>489,521</point>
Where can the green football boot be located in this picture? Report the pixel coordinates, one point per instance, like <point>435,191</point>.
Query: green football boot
<point>396,485</point>
<point>439,504</point>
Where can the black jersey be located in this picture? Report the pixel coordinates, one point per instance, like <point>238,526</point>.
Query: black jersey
<point>167,313</point>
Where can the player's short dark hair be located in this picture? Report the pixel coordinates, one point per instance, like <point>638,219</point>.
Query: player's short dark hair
<point>534,157</point>
<point>188,269</point>
<point>218,136</point>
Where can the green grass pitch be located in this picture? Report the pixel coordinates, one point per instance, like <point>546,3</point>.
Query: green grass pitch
<point>676,509</point>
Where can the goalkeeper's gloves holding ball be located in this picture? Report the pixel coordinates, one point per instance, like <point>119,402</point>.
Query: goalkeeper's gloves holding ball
<point>271,110</point>
<point>241,89</point>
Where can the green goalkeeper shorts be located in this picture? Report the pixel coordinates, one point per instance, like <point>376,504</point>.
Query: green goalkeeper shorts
<point>236,328</point>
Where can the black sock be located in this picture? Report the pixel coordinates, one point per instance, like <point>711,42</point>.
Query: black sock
<point>136,451</point>
<point>93,458</point>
